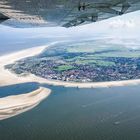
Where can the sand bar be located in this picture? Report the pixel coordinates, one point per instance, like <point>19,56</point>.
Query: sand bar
<point>16,104</point>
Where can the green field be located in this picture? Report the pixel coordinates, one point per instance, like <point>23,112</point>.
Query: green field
<point>102,49</point>
<point>64,67</point>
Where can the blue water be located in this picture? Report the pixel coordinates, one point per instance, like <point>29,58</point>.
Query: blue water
<point>78,114</point>
<point>18,89</point>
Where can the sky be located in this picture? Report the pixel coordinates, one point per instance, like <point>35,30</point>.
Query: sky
<point>125,26</point>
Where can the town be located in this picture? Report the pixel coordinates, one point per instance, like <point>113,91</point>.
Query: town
<point>124,69</point>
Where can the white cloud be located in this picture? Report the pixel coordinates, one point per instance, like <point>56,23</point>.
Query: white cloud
<point>119,23</point>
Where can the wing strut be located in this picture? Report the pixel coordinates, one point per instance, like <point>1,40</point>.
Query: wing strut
<point>125,7</point>
<point>3,18</point>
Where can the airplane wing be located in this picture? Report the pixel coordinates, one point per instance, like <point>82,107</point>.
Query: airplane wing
<point>66,13</point>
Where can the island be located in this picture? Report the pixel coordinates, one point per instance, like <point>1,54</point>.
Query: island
<point>83,62</point>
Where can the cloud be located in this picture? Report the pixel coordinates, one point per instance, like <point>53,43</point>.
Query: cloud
<point>119,23</point>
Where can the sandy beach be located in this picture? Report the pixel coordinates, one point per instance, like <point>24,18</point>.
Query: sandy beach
<point>17,104</point>
<point>8,78</point>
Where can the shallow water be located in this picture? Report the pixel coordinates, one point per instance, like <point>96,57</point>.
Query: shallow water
<point>79,114</point>
<point>18,89</point>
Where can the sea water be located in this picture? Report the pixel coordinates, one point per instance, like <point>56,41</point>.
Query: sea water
<point>76,114</point>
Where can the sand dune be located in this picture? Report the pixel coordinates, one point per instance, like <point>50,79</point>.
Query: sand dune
<point>17,104</point>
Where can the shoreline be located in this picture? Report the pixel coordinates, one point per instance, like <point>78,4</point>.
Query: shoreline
<point>11,106</point>
<point>8,77</point>
<point>16,104</point>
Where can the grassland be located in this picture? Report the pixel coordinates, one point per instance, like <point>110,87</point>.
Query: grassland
<point>104,49</point>
<point>64,67</point>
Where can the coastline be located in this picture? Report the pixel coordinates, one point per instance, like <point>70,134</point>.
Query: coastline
<point>10,78</point>
<point>16,104</point>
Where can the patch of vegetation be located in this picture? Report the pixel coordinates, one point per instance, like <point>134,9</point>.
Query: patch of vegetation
<point>64,67</point>
<point>126,54</point>
<point>96,62</point>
